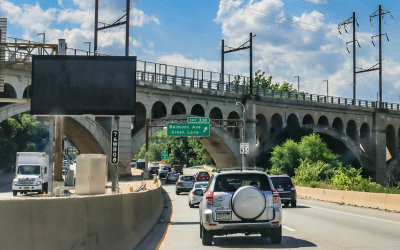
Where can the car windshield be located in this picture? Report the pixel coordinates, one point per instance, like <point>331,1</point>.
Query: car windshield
<point>281,181</point>
<point>29,169</point>
<point>187,178</point>
<point>201,185</point>
<point>231,182</point>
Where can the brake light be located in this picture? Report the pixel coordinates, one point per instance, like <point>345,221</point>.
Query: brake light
<point>293,187</point>
<point>179,182</point>
<point>210,197</point>
<point>275,196</point>
<point>193,192</point>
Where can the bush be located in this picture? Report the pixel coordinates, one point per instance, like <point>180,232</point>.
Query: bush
<point>309,171</point>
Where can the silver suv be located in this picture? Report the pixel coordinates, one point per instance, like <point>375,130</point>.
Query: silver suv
<point>240,202</point>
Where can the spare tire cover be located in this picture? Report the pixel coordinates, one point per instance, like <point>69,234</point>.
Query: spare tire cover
<point>248,203</point>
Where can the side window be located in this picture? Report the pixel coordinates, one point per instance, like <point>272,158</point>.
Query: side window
<point>209,183</point>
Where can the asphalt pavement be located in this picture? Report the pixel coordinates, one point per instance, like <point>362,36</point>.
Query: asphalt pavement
<point>312,224</point>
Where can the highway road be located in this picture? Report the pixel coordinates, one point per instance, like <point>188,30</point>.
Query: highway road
<point>313,224</point>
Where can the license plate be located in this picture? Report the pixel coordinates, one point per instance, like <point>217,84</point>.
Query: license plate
<point>26,188</point>
<point>280,189</point>
<point>223,216</point>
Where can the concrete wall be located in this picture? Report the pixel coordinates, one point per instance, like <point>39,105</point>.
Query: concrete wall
<point>389,202</point>
<point>89,222</point>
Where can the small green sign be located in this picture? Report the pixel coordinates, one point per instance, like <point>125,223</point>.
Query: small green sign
<point>164,155</point>
<point>198,120</point>
<point>188,129</point>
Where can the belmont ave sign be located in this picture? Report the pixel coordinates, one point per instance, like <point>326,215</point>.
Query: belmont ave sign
<point>188,129</point>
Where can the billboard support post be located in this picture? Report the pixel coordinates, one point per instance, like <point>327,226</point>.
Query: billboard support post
<point>114,164</point>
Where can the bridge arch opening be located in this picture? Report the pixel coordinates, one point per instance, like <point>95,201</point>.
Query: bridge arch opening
<point>197,110</point>
<point>308,120</point>
<point>158,110</point>
<point>9,92</point>
<point>338,124</point>
<point>216,113</point>
<point>323,121</point>
<point>276,124</point>
<point>292,120</point>
<point>261,128</point>
<point>139,120</point>
<point>390,142</point>
<point>351,130</point>
<point>178,109</point>
<point>27,92</point>
<point>235,132</point>
<point>365,138</point>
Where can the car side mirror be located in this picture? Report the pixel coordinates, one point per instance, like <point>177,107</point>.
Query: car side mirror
<point>198,192</point>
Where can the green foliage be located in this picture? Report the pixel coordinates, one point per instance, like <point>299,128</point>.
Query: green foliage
<point>186,151</point>
<point>22,132</point>
<point>310,171</point>
<point>285,158</point>
<point>266,83</point>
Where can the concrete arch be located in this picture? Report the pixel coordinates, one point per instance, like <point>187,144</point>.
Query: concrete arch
<point>27,92</point>
<point>9,92</point>
<point>87,135</point>
<point>351,130</point>
<point>308,120</point>
<point>390,142</point>
<point>197,110</point>
<point>235,132</point>
<point>139,120</point>
<point>338,124</point>
<point>220,144</point>
<point>178,109</point>
<point>276,124</point>
<point>292,120</point>
<point>216,113</point>
<point>365,138</point>
<point>323,121</point>
<point>158,110</point>
<point>261,128</point>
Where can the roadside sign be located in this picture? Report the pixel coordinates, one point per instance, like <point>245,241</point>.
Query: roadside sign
<point>164,155</point>
<point>188,129</point>
<point>114,146</point>
<point>198,120</point>
<point>244,148</point>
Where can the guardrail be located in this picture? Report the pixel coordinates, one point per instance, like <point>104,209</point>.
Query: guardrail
<point>22,50</point>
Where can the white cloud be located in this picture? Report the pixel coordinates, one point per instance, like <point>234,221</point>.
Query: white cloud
<point>317,1</point>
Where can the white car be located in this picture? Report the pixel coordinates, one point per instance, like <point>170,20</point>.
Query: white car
<point>197,192</point>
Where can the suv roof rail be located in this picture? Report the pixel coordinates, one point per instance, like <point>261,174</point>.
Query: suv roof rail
<point>227,169</point>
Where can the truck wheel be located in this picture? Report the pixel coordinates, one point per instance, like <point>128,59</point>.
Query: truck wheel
<point>15,193</point>
<point>293,203</point>
<point>191,205</point>
<point>207,237</point>
<point>276,236</point>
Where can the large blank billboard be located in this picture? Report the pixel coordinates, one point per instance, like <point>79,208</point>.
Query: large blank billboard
<point>83,85</point>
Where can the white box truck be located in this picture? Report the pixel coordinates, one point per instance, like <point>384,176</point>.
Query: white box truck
<point>31,173</point>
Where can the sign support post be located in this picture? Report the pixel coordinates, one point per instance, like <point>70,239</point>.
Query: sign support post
<point>114,157</point>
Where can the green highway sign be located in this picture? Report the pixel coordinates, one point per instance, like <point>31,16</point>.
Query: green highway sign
<point>198,120</point>
<point>188,129</point>
<point>164,155</point>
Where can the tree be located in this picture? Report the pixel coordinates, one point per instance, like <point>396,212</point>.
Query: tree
<point>285,158</point>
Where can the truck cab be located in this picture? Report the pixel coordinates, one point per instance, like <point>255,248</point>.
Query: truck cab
<point>31,173</point>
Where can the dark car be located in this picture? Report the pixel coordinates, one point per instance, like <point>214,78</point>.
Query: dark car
<point>177,169</point>
<point>184,183</point>
<point>287,191</point>
<point>171,177</point>
<point>202,176</point>
<point>154,168</point>
<point>140,164</point>
<point>164,170</point>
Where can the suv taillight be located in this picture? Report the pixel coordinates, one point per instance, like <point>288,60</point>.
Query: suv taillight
<point>293,187</point>
<point>210,197</point>
<point>275,196</point>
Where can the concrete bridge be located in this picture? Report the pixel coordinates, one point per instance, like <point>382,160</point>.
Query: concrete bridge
<point>366,135</point>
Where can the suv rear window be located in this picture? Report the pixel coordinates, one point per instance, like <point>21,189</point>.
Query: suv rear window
<point>203,174</point>
<point>187,178</point>
<point>231,182</point>
<point>281,181</point>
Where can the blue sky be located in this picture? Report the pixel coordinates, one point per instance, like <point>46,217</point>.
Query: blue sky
<point>293,37</point>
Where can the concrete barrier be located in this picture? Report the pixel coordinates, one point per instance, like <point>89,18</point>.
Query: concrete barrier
<point>389,202</point>
<point>117,221</point>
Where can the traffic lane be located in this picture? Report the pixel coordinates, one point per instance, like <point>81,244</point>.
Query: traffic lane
<point>339,226</point>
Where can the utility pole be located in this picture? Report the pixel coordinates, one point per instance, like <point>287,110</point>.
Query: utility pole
<point>222,60</point>
<point>44,41</point>
<point>327,93</point>
<point>298,83</point>
<point>352,20</point>
<point>241,47</point>
<point>118,22</point>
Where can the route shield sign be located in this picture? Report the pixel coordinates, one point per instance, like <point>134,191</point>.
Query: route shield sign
<point>188,129</point>
<point>114,146</point>
<point>164,155</point>
<point>244,148</point>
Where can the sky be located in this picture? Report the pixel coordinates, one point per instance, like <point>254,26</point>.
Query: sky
<point>293,37</point>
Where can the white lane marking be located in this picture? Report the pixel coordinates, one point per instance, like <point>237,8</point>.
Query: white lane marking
<point>290,229</point>
<point>356,215</point>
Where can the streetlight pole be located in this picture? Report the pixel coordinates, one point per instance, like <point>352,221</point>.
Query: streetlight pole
<point>89,46</point>
<point>243,132</point>
<point>298,83</point>
<point>326,87</point>
<point>44,40</point>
